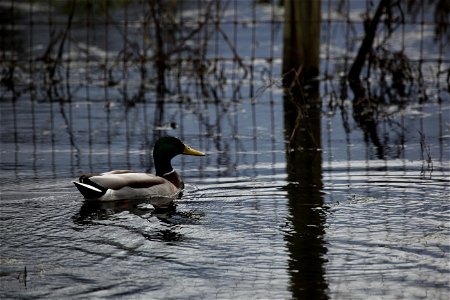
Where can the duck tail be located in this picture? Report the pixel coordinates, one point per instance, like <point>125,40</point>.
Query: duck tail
<point>89,191</point>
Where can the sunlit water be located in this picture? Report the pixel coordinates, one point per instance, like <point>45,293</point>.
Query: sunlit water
<point>382,231</point>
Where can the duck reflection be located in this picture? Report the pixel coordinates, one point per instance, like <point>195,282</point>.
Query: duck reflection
<point>164,223</point>
<point>90,212</point>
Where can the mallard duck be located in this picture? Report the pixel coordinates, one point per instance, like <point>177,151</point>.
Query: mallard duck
<point>164,186</point>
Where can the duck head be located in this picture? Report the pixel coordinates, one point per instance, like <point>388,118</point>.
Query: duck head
<point>167,148</point>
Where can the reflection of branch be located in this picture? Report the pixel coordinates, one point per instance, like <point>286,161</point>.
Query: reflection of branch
<point>366,44</point>
<point>200,25</point>
<point>261,90</point>
<point>363,110</point>
<point>233,49</point>
<point>160,57</point>
<point>425,148</point>
<point>69,128</point>
<point>61,45</point>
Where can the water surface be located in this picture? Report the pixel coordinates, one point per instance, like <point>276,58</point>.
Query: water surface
<point>327,215</point>
<point>243,229</point>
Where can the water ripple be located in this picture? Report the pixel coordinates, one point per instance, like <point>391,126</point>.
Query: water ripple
<point>379,227</point>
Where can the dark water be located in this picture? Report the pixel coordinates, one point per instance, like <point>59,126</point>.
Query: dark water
<point>242,229</point>
<point>342,219</point>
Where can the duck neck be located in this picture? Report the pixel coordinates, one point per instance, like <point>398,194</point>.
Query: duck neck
<point>164,169</point>
<point>162,166</point>
<point>174,178</point>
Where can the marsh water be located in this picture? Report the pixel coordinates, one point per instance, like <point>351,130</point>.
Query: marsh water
<point>377,227</point>
<point>342,218</point>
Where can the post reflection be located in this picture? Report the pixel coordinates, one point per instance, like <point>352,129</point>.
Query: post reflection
<point>305,237</point>
<point>302,111</point>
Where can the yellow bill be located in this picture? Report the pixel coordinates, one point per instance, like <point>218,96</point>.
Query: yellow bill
<point>190,151</point>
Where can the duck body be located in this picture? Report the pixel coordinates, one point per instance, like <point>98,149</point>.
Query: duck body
<point>124,184</point>
<point>161,189</point>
